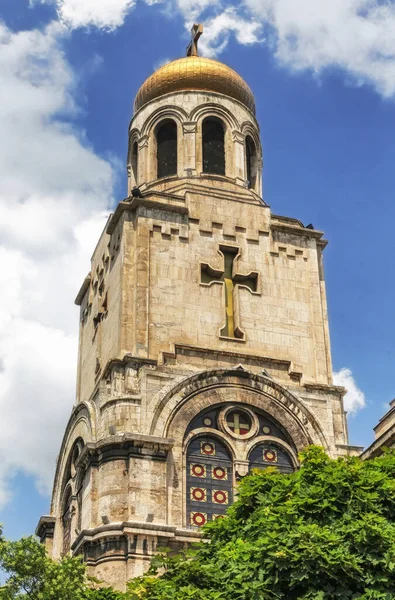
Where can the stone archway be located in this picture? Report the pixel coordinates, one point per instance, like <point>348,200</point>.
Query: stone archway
<point>180,405</point>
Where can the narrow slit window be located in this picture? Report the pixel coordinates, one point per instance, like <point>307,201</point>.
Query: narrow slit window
<point>251,162</point>
<point>135,158</point>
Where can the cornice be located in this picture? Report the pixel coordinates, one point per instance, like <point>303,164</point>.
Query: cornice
<point>83,289</point>
<point>159,200</point>
<point>124,446</point>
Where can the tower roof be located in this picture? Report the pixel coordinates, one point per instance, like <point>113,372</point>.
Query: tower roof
<point>195,73</point>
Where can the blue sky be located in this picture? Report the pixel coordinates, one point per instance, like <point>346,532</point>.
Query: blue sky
<point>324,82</point>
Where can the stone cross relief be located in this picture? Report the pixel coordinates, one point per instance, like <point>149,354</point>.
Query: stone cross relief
<point>196,32</point>
<point>231,281</point>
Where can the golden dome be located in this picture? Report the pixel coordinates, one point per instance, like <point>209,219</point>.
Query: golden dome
<point>195,73</point>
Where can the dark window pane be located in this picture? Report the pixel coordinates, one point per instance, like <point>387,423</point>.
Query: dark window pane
<point>209,481</point>
<point>251,162</point>
<point>135,161</point>
<point>166,139</point>
<point>213,147</point>
<point>271,455</point>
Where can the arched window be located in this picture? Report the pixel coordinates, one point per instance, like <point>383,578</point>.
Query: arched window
<point>166,149</point>
<point>66,523</point>
<point>135,162</point>
<point>251,159</point>
<point>209,480</point>
<point>211,472</point>
<point>271,455</point>
<point>213,136</point>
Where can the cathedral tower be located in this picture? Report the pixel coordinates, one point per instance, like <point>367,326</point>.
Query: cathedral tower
<point>204,346</point>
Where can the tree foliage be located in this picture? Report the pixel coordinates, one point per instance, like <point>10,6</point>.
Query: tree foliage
<point>326,532</point>
<point>32,575</point>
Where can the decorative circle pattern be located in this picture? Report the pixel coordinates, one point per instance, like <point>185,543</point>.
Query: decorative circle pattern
<point>270,455</point>
<point>219,473</point>
<point>220,497</point>
<point>198,470</point>
<point>207,422</point>
<point>198,494</point>
<point>266,430</point>
<point>198,519</point>
<point>208,448</point>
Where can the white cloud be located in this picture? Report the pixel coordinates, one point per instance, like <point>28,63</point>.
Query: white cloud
<point>217,31</point>
<point>54,197</point>
<point>355,36</point>
<point>103,14</point>
<point>354,400</point>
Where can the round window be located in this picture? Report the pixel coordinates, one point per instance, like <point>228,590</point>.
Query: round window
<point>239,422</point>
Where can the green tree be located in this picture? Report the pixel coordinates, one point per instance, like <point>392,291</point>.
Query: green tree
<point>33,575</point>
<point>326,532</point>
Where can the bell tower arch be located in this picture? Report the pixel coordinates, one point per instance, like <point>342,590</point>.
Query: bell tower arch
<point>204,341</point>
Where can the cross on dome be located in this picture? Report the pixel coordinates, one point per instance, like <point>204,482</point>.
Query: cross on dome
<point>196,32</point>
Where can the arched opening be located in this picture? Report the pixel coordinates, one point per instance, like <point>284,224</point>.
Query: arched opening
<point>66,523</point>
<point>213,142</point>
<point>251,160</point>
<point>213,468</point>
<point>135,150</point>
<point>209,480</point>
<point>271,455</point>
<point>166,149</point>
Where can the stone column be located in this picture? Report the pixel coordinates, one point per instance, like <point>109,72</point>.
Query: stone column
<point>143,161</point>
<point>189,158</point>
<point>239,157</point>
<point>259,168</point>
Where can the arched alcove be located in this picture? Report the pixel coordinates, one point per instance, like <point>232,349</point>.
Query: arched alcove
<point>213,146</point>
<point>166,148</point>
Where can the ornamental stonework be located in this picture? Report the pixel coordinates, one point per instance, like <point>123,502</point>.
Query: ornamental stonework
<point>204,347</point>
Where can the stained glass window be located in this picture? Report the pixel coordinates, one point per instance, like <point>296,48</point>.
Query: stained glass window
<point>239,422</point>
<point>209,480</point>
<point>271,455</point>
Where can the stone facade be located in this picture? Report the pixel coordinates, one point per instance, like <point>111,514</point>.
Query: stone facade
<point>165,338</point>
<point>384,433</point>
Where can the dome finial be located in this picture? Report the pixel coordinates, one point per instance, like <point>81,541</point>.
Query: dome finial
<point>196,32</point>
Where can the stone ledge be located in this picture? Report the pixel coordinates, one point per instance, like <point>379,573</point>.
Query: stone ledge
<point>128,528</point>
<point>293,226</point>
<point>328,389</point>
<point>159,200</point>
<point>350,450</point>
<point>122,447</point>
<point>45,528</point>
<point>265,361</point>
<point>83,289</point>
<point>386,440</point>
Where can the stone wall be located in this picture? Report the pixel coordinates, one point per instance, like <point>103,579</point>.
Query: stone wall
<point>161,340</point>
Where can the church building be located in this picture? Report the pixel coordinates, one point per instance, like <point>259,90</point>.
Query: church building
<point>204,346</point>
